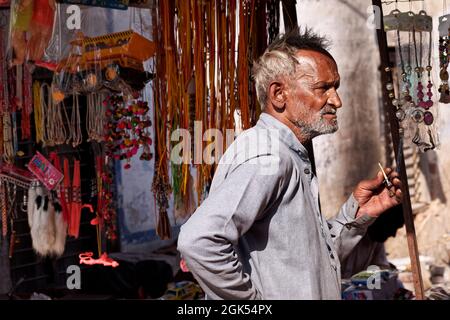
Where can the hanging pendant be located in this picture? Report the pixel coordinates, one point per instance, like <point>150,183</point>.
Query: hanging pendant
<point>417,115</point>
<point>400,114</point>
<point>420,95</point>
<point>428,118</point>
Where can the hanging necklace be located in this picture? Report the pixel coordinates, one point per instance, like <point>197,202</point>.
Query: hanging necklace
<point>38,112</point>
<point>95,117</point>
<point>3,200</point>
<point>54,124</point>
<point>47,134</point>
<point>8,147</point>
<point>418,69</point>
<point>60,128</point>
<point>418,113</point>
<point>428,117</point>
<point>444,44</point>
<point>12,191</point>
<point>405,93</point>
<point>27,104</point>
<point>75,127</point>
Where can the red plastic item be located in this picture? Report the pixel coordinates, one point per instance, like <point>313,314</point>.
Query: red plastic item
<point>75,204</point>
<point>47,65</point>
<point>86,258</point>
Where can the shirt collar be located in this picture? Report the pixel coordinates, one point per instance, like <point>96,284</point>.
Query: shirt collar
<point>285,133</point>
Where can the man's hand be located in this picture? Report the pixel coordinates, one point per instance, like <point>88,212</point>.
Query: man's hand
<point>374,197</point>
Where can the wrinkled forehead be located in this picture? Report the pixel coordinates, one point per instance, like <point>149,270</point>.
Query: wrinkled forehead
<point>316,64</point>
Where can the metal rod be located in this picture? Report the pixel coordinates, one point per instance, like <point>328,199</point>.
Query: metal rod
<point>386,77</point>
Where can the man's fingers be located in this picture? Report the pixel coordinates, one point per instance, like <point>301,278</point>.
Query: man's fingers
<point>398,195</point>
<point>393,174</point>
<point>395,193</point>
<point>374,183</point>
<point>396,182</point>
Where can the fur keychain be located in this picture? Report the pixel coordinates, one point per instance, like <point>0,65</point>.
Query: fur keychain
<point>47,226</point>
<point>60,227</point>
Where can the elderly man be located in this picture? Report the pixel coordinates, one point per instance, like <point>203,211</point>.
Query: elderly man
<point>260,233</point>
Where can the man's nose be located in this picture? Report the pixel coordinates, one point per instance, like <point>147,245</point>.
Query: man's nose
<point>334,99</point>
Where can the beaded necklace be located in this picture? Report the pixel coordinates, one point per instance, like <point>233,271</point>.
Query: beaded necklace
<point>75,126</point>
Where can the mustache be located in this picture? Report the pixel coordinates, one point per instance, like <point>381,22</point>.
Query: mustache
<point>327,109</point>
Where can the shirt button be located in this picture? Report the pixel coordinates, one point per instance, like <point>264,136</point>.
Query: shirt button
<point>306,171</point>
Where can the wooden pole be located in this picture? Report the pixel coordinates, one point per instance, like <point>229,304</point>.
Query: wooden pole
<point>289,14</point>
<point>386,77</point>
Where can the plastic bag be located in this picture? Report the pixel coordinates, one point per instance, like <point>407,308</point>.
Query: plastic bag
<point>31,27</point>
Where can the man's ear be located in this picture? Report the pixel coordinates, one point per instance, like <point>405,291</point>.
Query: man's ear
<point>277,94</point>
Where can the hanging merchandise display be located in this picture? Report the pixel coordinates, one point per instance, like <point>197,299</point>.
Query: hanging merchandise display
<point>107,209</point>
<point>21,13</point>
<point>75,135</point>
<point>444,45</point>
<point>31,26</point>
<point>44,171</point>
<point>95,117</point>
<point>8,144</point>
<point>27,104</point>
<point>4,208</point>
<point>11,180</point>
<point>127,129</point>
<point>3,82</point>
<point>414,106</point>
<point>75,205</point>
<point>161,182</point>
<point>67,191</point>
<point>47,226</point>
<point>38,111</point>
<point>6,108</point>
<point>113,61</point>
<point>62,189</point>
<point>52,121</point>
<point>41,27</point>
<point>203,81</point>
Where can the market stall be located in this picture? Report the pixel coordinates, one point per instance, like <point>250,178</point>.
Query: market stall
<point>115,114</point>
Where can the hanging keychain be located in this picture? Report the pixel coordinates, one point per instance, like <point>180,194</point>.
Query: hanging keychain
<point>12,214</point>
<point>444,43</point>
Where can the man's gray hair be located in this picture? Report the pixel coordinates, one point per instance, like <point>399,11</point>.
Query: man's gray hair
<point>279,58</point>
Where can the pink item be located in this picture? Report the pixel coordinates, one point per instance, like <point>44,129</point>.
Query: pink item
<point>45,171</point>
<point>86,258</point>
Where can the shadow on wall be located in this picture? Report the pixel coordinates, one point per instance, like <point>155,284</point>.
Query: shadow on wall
<point>430,169</point>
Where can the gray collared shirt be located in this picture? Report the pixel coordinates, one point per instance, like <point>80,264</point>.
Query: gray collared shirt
<point>260,233</point>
